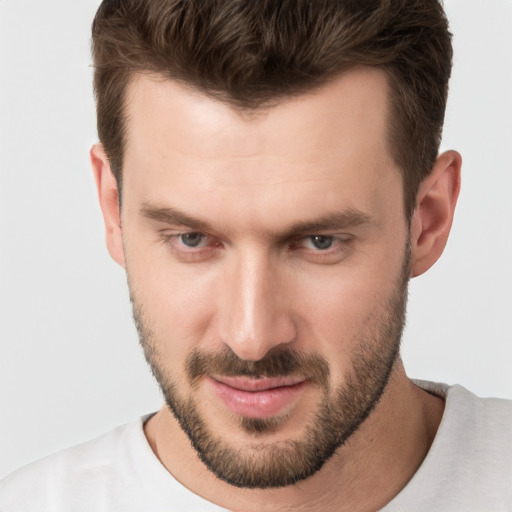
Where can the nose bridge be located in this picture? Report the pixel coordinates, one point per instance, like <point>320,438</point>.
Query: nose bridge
<point>256,317</point>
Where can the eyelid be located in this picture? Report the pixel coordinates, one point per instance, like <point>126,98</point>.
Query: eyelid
<point>342,244</point>
<point>203,239</point>
<point>188,254</point>
<point>341,248</point>
<point>172,237</point>
<point>337,237</point>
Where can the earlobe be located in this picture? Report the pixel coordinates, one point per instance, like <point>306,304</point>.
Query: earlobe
<point>109,202</point>
<point>435,208</point>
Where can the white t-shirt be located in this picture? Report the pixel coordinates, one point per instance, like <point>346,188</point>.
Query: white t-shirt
<point>468,469</point>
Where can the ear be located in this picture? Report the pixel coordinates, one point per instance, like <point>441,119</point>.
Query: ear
<point>433,216</point>
<point>109,202</point>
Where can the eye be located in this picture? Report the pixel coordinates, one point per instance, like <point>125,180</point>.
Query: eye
<point>191,246</point>
<point>324,249</point>
<point>192,240</point>
<point>319,242</point>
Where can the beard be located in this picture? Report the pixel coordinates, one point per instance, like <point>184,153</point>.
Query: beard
<point>341,411</point>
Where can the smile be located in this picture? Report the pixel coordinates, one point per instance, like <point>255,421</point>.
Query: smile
<point>257,398</point>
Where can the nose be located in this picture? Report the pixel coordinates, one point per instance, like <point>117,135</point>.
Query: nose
<point>255,313</point>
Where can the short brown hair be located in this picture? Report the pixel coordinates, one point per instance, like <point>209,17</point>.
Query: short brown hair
<point>249,52</point>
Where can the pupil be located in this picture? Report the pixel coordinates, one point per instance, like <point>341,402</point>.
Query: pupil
<point>322,242</point>
<point>192,239</point>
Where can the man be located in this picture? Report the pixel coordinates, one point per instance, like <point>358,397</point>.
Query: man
<point>270,180</point>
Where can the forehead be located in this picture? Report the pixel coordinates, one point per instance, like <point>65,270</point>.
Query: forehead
<point>347,107</point>
<point>331,140</point>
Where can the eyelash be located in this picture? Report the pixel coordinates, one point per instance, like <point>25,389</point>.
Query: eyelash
<point>184,252</point>
<point>341,244</point>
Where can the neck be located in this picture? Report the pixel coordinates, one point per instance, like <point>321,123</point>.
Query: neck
<point>364,474</point>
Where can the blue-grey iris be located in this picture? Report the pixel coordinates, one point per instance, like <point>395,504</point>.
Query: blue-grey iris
<point>321,242</point>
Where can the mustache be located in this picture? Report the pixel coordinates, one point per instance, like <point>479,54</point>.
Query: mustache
<point>277,362</point>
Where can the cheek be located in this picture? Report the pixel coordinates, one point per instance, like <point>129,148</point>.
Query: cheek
<point>344,310</point>
<point>177,305</point>
<point>336,310</point>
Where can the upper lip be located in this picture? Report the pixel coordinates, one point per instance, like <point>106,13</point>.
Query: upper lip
<point>259,384</point>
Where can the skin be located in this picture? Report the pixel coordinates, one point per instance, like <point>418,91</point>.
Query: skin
<point>253,287</point>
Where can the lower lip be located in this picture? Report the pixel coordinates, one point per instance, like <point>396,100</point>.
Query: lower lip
<point>257,404</point>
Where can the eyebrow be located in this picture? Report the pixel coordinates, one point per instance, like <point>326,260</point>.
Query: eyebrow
<point>173,216</point>
<point>343,219</point>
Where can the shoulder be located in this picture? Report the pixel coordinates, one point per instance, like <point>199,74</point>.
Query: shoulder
<point>483,427</point>
<point>475,431</point>
<point>487,420</point>
<point>117,472</point>
<point>77,469</point>
<point>469,464</point>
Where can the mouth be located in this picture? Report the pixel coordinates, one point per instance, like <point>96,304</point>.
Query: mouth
<point>258,398</point>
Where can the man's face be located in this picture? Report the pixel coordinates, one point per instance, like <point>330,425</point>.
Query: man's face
<point>267,261</point>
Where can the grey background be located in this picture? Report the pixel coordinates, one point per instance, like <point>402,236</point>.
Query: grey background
<point>70,364</point>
